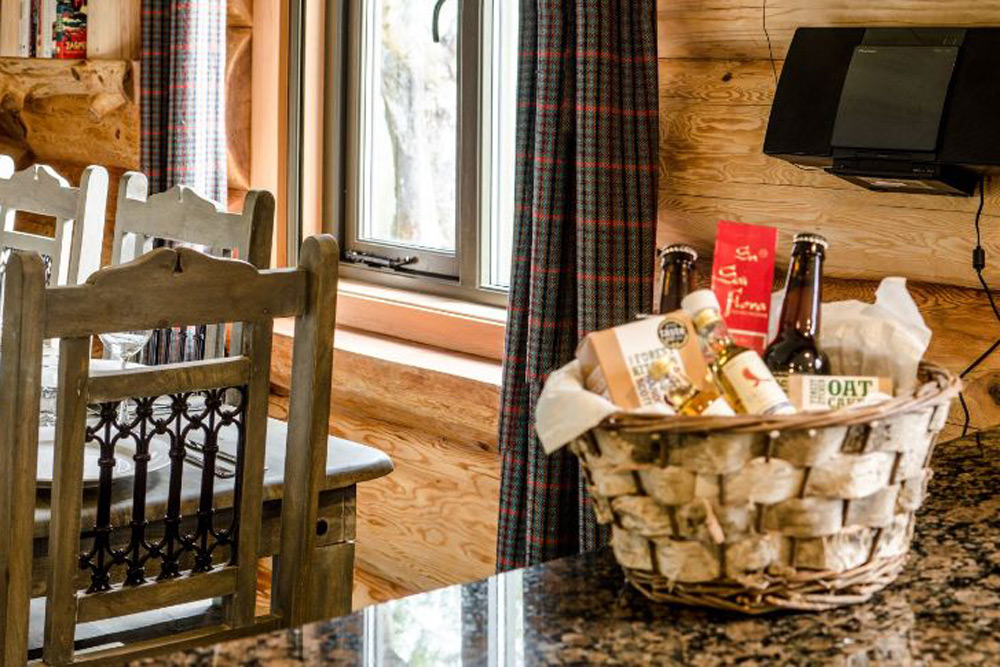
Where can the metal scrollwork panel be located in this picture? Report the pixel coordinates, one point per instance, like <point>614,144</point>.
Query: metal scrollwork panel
<point>190,425</point>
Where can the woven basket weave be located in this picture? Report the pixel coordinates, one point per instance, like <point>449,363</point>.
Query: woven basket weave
<point>757,514</point>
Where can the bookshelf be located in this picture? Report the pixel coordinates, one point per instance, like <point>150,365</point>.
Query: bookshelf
<point>113,28</point>
<point>72,112</point>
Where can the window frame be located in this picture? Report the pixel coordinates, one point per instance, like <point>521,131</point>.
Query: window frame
<point>343,197</point>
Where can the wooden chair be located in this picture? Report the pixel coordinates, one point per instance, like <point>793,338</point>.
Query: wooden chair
<point>178,288</point>
<point>181,215</point>
<point>74,252</point>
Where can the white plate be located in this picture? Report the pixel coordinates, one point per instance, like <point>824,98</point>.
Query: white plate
<point>159,458</point>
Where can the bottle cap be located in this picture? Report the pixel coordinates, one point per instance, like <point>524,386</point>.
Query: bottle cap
<point>680,249</point>
<point>699,300</point>
<point>812,238</point>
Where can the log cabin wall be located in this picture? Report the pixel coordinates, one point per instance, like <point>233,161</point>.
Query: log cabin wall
<point>716,87</point>
<point>239,83</point>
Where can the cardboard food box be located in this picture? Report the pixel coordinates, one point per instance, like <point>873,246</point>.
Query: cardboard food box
<point>832,392</point>
<point>616,361</point>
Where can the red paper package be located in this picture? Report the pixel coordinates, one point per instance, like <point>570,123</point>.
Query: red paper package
<point>742,277</point>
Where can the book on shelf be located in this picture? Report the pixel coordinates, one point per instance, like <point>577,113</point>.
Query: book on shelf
<point>53,29</point>
<point>70,29</point>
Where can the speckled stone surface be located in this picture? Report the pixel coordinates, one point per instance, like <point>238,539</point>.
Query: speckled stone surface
<point>944,609</point>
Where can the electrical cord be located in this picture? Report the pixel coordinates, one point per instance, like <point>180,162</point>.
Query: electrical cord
<point>767,35</point>
<point>979,265</point>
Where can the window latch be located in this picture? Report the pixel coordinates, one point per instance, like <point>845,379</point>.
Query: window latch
<point>435,26</point>
<point>378,261</point>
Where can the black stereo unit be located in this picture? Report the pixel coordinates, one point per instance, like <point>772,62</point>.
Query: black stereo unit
<point>891,109</point>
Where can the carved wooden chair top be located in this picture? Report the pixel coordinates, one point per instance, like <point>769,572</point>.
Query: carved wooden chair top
<point>74,251</point>
<point>191,558</point>
<point>182,215</point>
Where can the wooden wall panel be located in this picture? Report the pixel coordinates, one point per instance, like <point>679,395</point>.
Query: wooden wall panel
<point>114,29</point>
<point>269,158</point>
<point>733,28</point>
<point>239,13</point>
<point>10,17</point>
<point>239,75</point>
<point>716,87</point>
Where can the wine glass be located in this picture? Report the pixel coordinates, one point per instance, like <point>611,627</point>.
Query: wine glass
<point>124,345</point>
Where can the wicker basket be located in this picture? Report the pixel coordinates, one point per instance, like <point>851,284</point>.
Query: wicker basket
<point>758,514</point>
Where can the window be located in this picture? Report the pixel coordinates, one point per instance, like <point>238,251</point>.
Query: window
<point>428,126</point>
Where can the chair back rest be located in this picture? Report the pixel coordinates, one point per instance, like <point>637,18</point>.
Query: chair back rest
<point>180,215</point>
<point>193,558</point>
<point>74,251</point>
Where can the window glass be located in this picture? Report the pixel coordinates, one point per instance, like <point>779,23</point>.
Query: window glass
<point>411,133</point>
<point>503,141</point>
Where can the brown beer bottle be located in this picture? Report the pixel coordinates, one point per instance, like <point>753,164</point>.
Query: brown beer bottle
<point>677,262</point>
<point>795,349</point>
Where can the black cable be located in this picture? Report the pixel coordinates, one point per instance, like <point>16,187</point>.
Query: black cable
<point>767,35</point>
<point>979,213</point>
<point>965,409</point>
<point>979,265</point>
<point>980,359</point>
<point>989,294</point>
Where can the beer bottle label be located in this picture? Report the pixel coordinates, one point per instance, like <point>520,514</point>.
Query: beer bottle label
<point>755,386</point>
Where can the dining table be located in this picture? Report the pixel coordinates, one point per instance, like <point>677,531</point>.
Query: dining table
<point>347,465</point>
<point>943,609</point>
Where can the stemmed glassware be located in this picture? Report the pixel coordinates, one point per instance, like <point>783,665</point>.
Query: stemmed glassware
<point>124,345</point>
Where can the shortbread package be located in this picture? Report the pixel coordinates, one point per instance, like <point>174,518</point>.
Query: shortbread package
<point>615,362</point>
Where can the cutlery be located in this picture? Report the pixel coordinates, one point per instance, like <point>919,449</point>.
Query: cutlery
<point>222,471</point>
<point>221,455</point>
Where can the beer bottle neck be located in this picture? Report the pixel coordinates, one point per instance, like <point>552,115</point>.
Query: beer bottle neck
<point>677,284</point>
<point>803,294</point>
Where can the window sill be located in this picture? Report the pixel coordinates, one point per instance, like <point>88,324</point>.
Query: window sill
<point>449,324</point>
<point>446,393</point>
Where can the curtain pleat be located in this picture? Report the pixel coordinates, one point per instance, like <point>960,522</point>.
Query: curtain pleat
<point>585,240</point>
<point>183,95</point>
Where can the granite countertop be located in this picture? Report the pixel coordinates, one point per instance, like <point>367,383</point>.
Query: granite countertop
<point>945,608</point>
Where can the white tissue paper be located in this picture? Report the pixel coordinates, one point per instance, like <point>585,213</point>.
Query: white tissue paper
<point>566,409</point>
<point>885,339</point>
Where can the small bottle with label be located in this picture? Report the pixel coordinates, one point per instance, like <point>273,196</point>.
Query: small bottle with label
<point>679,392</point>
<point>739,372</point>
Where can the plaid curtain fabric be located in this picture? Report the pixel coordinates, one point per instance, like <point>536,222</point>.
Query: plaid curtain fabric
<point>183,118</point>
<point>183,95</point>
<point>585,239</point>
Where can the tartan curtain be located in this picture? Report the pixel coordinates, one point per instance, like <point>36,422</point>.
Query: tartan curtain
<point>183,95</point>
<point>585,239</point>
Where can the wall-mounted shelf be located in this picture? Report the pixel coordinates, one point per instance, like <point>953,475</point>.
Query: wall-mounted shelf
<point>114,28</point>
<point>69,111</point>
